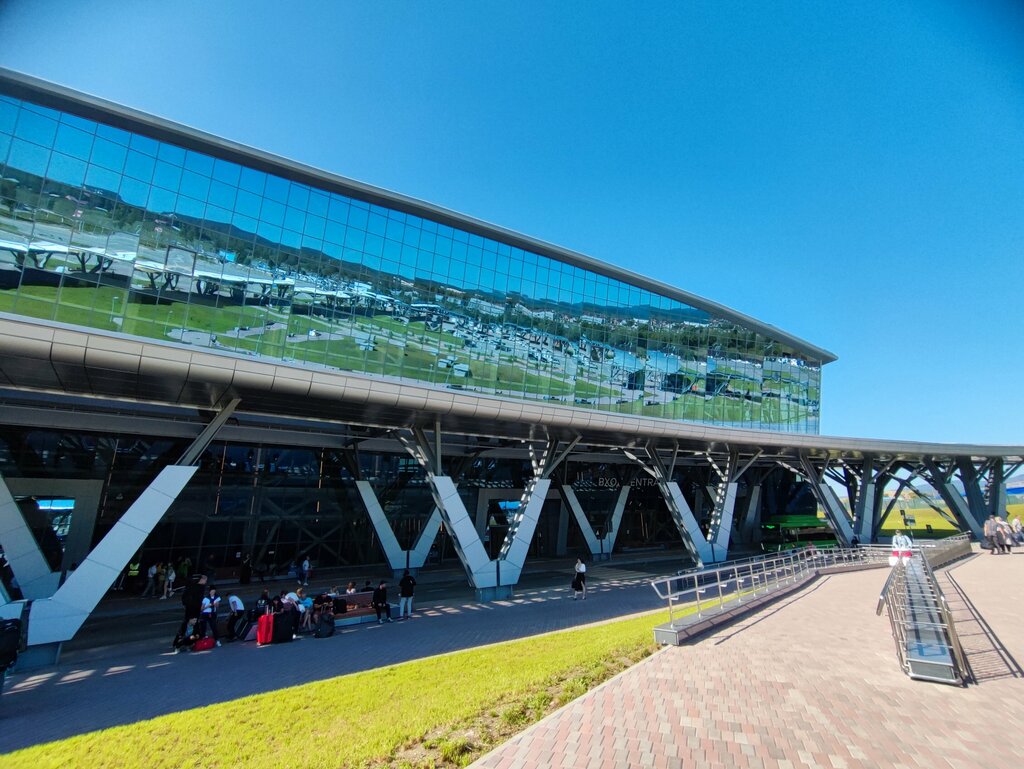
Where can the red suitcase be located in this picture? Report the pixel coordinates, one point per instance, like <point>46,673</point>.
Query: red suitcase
<point>265,629</point>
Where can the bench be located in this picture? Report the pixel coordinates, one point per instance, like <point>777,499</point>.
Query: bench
<point>358,609</point>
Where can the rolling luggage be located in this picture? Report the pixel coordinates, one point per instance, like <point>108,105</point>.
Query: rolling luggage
<point>245,630</point>
<point>283,629</point>
<point>265,629</point>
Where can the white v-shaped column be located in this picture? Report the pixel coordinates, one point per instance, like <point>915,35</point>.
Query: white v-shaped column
<point>397,557</point>
<point>483,571</point>
<point>58,617</point>
<point>22,550</point>
<point>596,546</point>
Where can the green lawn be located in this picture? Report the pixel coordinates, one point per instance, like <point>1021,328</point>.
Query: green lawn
<point>443,711</point>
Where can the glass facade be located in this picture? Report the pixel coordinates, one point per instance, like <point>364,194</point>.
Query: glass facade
<point>115,230</point>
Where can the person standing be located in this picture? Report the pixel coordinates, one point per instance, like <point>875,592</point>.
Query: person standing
<point>406,588</point>
<point>185,569</point>
<point>192,601</point>
<point>581,578</point>
<point>379,601</point>
<point>902,547</point>
<point>306,569</point>
<point>132,574</point>
<point>211,603</point>
<point>1005,534</point>
<point>1018,529</point>
<point>300,571</point>
<point>245,571</point>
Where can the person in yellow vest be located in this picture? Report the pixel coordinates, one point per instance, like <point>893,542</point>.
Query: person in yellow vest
<point>134,570</point>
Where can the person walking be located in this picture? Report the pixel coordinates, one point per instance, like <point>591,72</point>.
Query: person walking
<point>1018,529</point>
<point>161,579</point>
<point>991,532</point>
<point>150,582</point>
<point>406,588</point>
<point>209,613</point>
<point>169,579</point>
<point>580,580</point>
<point>379,601</point>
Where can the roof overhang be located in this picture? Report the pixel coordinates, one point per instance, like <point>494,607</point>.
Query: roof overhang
<point>64,362</point>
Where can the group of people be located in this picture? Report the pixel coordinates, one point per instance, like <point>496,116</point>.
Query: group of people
<point>1000,536</point>
<point>202,605</point>
<point>160,579</point>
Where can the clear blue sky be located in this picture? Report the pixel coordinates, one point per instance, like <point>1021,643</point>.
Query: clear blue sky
<point>852,175</point>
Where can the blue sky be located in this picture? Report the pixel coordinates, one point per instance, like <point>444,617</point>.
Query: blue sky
<point>854,175</point>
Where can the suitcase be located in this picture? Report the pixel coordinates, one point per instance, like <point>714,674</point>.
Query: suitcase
<point>283,629</point>
<point>203,644</point>
<point>265,629</point>
<point>324,628</point>
<point>245,630</point>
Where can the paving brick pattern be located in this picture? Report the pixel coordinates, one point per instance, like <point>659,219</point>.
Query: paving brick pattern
<point>811,681</point>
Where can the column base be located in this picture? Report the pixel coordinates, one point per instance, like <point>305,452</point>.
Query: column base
<point>499,593</point>
<point>35,657</point>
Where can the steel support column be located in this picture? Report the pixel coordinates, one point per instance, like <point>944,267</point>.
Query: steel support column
<point>492,578</point>
<point>700,550</point>
<point>942,481</point>
<point>826,496</point>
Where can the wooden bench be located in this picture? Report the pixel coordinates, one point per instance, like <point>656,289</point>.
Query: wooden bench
<point>358,609</point>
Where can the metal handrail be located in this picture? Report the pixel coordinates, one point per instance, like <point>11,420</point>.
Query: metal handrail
<point>752,577</point>
<point>896,591</point>
<point>947,621</point>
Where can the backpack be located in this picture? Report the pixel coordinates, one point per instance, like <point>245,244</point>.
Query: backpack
<point>10,641</point>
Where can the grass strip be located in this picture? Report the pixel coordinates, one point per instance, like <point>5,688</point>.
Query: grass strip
<point>437,712</point>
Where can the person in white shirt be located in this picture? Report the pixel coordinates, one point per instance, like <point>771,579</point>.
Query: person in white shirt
<point>902,546</point>
<point>580,579</point>
<point>237,611</point>
<point>150,582</point>
<point>211,602</point>
<point>169,582</point>
<point>305,570</point>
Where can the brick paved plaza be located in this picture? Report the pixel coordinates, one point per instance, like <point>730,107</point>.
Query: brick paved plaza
<point>811,681</point>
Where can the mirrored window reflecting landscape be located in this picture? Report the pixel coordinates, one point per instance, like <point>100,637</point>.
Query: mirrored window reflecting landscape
<point>113,230</point>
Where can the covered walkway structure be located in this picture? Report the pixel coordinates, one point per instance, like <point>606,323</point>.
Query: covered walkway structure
<point>173,402</point>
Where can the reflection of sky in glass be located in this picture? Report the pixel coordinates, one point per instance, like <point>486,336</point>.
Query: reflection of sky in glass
<point>318,277</point>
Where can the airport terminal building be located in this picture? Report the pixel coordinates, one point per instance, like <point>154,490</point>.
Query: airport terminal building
<point>211,351</point>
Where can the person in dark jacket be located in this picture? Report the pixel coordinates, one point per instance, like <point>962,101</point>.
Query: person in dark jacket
<point>379,601</point>
<point>192,599</point>
<point>406,588</point>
